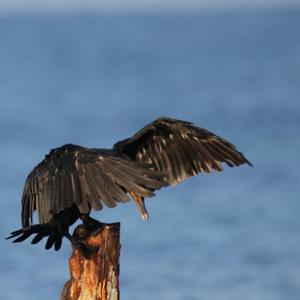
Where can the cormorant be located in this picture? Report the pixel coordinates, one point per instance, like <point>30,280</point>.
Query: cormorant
<point>73,180</point>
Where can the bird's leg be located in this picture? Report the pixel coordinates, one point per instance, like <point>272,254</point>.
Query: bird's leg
<point>141,205</point>
<point>85,249</point>
<point>71,239</point>
<point>90,222</point>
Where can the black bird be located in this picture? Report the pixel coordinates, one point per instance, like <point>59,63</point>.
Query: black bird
<point>73,180</point>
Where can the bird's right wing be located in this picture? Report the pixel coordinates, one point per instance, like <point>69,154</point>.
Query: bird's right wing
<point>87,178</point>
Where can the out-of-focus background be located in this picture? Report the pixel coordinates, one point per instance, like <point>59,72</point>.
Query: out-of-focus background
<point>92,73</point>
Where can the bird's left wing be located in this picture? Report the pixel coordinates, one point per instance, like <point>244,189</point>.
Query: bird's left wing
<point>179,149</point>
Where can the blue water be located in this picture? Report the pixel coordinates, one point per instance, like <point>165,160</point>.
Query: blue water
<point>93,80</point>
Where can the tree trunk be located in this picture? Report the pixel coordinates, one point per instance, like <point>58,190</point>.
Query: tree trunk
<point>96,278</point>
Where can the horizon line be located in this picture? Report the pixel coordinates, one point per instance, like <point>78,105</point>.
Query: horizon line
<point>145,7</point>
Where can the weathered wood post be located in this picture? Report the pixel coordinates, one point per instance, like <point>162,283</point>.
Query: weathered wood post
<point>96,278</point>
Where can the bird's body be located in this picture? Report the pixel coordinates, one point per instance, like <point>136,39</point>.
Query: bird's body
<point>73,180</point>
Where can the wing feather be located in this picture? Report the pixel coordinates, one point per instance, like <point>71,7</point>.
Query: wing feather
<point>179,149</point>
<point>87,178</point>
<point>76,190</point>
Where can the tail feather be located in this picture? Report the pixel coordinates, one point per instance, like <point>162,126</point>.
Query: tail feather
<point>37,238</point>
<point>50,242</point>
<point>15,233</point>
<point>22,237</point>
<point>58,243</point>
<point>40,231</point>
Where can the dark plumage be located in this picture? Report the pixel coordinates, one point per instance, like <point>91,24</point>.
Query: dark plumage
<point>72,180</point>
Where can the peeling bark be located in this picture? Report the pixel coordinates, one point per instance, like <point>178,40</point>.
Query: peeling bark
<point>96,278</point>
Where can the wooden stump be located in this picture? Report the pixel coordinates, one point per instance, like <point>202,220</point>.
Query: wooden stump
<point>96,278</point>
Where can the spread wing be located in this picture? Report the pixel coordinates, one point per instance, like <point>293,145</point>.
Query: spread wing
<point>179,149</point>
<point>88,178</point>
